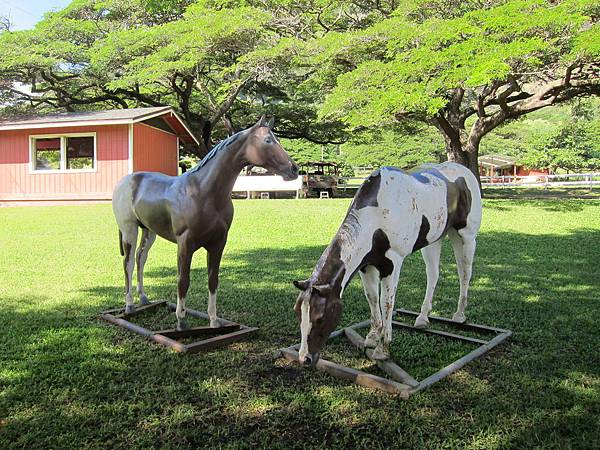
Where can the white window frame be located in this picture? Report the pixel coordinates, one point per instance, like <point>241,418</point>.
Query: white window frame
<point>63,152</point>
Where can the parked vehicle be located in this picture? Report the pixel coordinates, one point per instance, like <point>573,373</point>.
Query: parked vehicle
<point>319,176</point>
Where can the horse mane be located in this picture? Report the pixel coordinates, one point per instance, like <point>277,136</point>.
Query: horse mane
<point>216,149</point>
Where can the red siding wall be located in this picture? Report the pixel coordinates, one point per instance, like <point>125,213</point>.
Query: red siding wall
<point>17,183</point>
<point>154,150</point>
<point>524,171</point>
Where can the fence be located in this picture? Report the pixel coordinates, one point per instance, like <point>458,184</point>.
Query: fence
<point>267,183</point>
<point>589,180</point>
<point>563,180</point>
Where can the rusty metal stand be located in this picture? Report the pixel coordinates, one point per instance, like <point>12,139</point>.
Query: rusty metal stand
<point>402,383</point>
<point>225,334</point>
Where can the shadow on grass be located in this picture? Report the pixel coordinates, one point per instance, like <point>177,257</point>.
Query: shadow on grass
<point>565,205</point>
<point>550,194</point>
<point>76,380</point>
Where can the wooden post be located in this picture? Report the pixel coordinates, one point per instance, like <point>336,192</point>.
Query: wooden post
<point>163,340</point>
<point>404,385</point>
<point>389,367</point>
<point>228,331</point>
<point>465,325</point>
<point>197,331</point>
<point>451,368</point>
<point>438,333</point>
<point>355,376</point>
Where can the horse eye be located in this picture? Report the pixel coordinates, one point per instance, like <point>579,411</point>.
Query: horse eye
<point>268,140</point>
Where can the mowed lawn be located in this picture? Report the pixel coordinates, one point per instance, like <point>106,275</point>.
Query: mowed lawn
<point>69,380</point>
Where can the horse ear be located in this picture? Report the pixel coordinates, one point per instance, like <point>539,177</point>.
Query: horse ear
<point>206,132</point>
<point>261,121</point>
<point>271,122</point>
<point>322,289</point>
<point>302,285</point>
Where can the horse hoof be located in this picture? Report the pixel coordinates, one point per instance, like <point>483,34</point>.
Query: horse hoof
<point>460,318</point>
<point>371,340</point>
<point>421,322</point>
<point>182,325</point>
<point>379,355</point>
<point>216,323</point>
<point>129,309</point>
<point>144,300</point>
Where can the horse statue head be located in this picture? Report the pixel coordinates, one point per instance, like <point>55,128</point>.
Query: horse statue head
<point>264,150</point>
<point>318,309</point>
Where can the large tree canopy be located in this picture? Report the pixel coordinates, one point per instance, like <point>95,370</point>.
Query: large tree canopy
<point>465,74</point>
<point>132,52</point>
<point>332,71</point>
<point>202,57</point>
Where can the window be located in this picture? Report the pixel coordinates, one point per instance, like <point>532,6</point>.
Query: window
<point>80,152</point>
<point>47,154</point>
<point>63,153</point>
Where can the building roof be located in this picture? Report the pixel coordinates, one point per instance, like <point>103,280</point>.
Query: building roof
<point>497,161</point>
<point>107,117</point>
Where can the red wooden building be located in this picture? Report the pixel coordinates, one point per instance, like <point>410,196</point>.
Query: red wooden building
<point>79,157</point>
<point>500,165</point>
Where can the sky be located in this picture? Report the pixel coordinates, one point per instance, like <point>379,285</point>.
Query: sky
<point>26,13</point>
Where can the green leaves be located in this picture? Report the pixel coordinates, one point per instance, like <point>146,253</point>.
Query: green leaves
<point>204,41</point>
<point>586,46</point>
<point>425,60</point>
<point>565,137</point>
<point>324,67</point>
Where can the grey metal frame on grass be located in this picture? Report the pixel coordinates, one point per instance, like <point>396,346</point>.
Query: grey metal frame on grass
<point>227,333</point>
<point>402,383</point>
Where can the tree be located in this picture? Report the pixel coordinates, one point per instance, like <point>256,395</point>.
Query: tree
<point>123,53</point>
<point>4,24</point>
<point>328,69</point>
<point>565,137</point>
<point>465,74</point>
<point>574,146</point>
<point>393,147</point>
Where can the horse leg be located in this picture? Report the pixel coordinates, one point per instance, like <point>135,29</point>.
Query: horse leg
<point>148,238</point>
<point>463,244</point>
<point>184,261</point>
<point>370,281</point>
<point>128,242</point>
<point>387,298</point>
<point>213,262</point>
<point>431,256</point>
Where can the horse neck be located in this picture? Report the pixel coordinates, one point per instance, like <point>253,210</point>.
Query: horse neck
<point>343,257</point>
<point>223,169</point>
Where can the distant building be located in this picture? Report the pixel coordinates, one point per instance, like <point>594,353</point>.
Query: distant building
<point>500,165</point>
<point>75,157</point>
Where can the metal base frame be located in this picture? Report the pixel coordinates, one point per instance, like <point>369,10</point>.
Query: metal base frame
<point>227,333</point>
<point>402,383</point>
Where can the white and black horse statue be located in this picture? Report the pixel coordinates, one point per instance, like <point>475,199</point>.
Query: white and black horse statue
<point>393,214</point>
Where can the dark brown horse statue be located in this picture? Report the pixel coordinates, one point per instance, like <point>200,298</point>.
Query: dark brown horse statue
<point>192,210</point>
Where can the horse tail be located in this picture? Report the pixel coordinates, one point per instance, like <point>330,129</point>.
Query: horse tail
<point>121,243</point>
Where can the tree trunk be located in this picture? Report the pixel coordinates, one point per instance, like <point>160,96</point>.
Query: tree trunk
<point>465,154</point>
<point>202,129</point>
<point>461,147</point>
<point>472,150</point>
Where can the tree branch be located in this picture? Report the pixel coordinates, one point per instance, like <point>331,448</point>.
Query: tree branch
<point>226,105</point>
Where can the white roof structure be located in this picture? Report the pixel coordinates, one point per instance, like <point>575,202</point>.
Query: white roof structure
<point>497,161</point>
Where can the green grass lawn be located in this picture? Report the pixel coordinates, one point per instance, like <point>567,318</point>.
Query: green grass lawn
<point>526,192</point>
<point>69,380</point>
